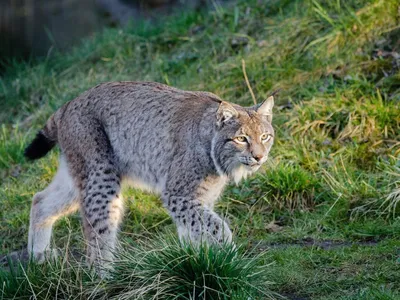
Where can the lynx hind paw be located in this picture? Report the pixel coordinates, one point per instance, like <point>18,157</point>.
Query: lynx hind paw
<point>47,255</point>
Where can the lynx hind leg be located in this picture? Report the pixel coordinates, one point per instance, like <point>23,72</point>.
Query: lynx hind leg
<point>58,199</point>
<point>102,211</point>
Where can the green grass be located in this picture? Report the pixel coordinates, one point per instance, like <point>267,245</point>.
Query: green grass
<point>334,171</point>
<point>161,268</point>
<point>165,267</point>
<point>355,272</point>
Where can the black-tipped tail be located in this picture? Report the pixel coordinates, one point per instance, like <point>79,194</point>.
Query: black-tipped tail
<point>39,147</point>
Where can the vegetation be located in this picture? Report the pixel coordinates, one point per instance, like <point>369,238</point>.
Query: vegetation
<point>325,209</point>
<point>161,268</point>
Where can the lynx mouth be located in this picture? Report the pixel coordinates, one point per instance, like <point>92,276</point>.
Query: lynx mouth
<point>252,166</point>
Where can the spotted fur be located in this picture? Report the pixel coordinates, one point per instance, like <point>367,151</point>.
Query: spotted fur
<point>183,145</point>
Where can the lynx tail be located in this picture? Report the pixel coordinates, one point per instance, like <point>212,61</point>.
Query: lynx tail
<point>44,141</point>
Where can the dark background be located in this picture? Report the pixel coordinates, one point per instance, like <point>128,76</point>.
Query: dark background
<point>31,28</point>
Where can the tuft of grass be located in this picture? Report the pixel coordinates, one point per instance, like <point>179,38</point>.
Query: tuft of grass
<point>281,186</point>
<point>282,189</point>
<point>157,268</point>
<point>289,186</point>
<point>168,269</point>
<point>359,194</point>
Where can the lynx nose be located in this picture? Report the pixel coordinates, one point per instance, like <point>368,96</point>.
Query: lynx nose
<point>257,157</point>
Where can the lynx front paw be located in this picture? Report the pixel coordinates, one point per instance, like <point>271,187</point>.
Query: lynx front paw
<point>217,231</point>
<point>206,227</point>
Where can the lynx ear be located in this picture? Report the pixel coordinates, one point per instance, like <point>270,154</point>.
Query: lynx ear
<point>265,108</point>
<point>225,112</point>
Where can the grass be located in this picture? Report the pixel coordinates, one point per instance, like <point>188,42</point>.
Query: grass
<point>185,272</point>
<point>333,174</point>
<point>355,272</point>
<point>161,268</point>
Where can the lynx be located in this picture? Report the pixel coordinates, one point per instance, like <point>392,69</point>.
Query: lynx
<point>185,146</point>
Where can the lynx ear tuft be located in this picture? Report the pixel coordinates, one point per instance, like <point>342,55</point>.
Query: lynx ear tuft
<point>225,112</point>
<point>265,108</point>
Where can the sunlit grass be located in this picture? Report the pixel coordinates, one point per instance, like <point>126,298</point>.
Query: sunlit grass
<point>166,269</point>
<point>160,268</point>
<point>334,167</point>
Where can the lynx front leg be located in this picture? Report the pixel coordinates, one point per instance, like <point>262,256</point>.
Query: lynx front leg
<point>189,194</point>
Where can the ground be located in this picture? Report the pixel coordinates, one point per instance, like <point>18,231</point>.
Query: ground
<point>324,210</point>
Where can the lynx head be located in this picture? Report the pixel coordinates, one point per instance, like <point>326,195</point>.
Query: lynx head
<point>243,138</point>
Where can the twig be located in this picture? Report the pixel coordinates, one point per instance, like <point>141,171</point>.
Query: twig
<point>247,81</point>
<point>275,92</point>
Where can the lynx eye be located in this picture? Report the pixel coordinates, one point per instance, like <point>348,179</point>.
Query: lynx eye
<point>265,137</point>
<point>241,139</point>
